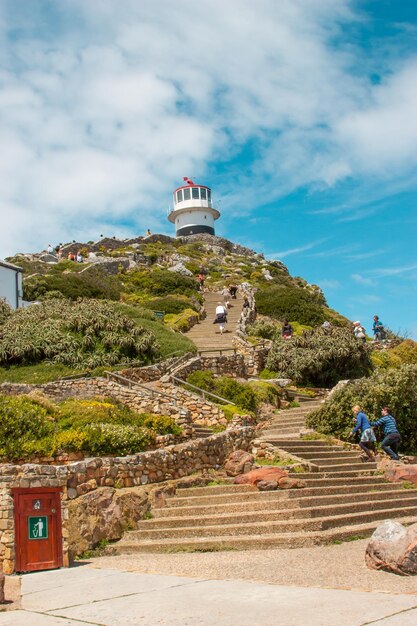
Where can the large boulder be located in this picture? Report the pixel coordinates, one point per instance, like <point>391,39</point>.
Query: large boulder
<point>393,548</point>
<point>238,462</point>
<point>180,268</point>
<point>399,472</point>
<point>291,483</point>
<point>104,514</point>
<point>261,474</point>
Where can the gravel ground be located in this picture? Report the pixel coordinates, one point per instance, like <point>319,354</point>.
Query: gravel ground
<point>335,567</point>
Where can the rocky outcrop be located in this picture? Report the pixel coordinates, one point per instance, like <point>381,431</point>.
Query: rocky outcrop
<point>398,472</point>
<point>238,462</point>
<point>393,548</point>
<point>180,268</point>
<point>103,514</point>
<point>262,474</point>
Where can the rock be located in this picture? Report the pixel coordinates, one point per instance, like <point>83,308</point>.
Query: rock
<point>48,258</point>
<point>399,472</point>
<point>103,514</point>
<point>263,473</point>
<point>292,483</point>
<point>393,548</point>
<point>238,462</point>
<point>180,268</point>
<point>267,485</point>
<point>1,587</point>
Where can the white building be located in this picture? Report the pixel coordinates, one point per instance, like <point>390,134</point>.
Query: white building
<point>193,210</point>
<point>11,284</point>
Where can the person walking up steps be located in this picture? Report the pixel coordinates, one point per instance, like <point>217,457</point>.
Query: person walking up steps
<point>221,317</point>
<point>392,437</point>
<point>368,439</point>
<point>378,329</point>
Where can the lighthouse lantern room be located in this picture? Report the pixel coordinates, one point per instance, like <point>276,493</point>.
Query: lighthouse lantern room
<point>193,210</point>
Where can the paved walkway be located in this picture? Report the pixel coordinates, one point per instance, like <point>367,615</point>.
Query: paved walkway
<point>205,334</point>
<point>106,597</point>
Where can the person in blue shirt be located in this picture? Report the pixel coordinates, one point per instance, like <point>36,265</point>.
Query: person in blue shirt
<point>368,439</point>
<point>392,437</point>
<point>378,329</point>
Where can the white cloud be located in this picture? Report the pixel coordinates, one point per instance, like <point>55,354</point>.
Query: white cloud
<point>104,106</point>
<point>284,253</point>
<point>362,280</point>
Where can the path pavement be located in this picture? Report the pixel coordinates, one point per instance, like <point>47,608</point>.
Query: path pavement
<point>105,597</point>
<point>205,334</point>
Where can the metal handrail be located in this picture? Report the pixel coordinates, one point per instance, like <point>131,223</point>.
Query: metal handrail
<point>203,392</point>
<point>129,383</point>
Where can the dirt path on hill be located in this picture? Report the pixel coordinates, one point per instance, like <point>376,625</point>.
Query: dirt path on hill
<point>334,566</point>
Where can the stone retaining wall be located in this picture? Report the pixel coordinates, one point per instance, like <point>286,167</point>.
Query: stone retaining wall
<point>86,476</point>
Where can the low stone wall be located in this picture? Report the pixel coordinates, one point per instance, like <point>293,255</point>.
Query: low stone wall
<point>86,476</point>
<point>148,373</point>
<point>202,410</point>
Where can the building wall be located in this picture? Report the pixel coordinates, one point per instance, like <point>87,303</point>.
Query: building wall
<point>192,218</point>
<point>11,286</point>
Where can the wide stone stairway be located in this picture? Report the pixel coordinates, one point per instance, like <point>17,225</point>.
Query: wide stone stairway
<point>343,498</point>
<point>205,334</point>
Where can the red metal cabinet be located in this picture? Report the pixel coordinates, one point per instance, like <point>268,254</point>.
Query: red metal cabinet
<point>38,528</point>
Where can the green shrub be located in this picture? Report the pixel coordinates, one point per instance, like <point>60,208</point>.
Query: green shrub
<point>182,322</point>
<point>228,388</point>
<point>203,379</point>
<point>23,422</point>
<point>95,283</point>
<point>266,374</point>
<point>162,282</point>
<point>264,328</point>
<point>396,388</point>
<point>84,334</point>
<point>117,439</point>
<point>5,311</point>
<point>266,392</point>
<point>239,393</point>
<point>320,358</point>
<point>292,303</point>
<point>230,411</point>
<point>161,424</point>
<point>171,305</point>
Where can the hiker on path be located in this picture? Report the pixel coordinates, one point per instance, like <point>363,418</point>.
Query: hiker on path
<point>246,303</point>
<point>201,279</point>
<point>221,316</point>
<point>359,331</point>
<point>287,330</point>
<point>392,437</point>
<point>368,439</point>
<point>226,296</point>
<point>378,329</point>
<point>233,291</point>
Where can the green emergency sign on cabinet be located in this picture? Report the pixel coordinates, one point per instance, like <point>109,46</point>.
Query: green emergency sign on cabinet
<point>38,527</point>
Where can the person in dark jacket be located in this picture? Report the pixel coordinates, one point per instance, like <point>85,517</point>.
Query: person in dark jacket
<point>392,437</point>
<point>287,330</point>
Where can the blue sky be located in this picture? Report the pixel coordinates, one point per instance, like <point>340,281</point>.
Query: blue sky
<point>301,115</point>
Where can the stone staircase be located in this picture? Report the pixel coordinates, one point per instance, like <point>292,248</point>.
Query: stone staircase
<point>206,335</point>
<point>344,498</point>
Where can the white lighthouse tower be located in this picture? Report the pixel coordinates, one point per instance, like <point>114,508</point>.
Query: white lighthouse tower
<point>193,210</point>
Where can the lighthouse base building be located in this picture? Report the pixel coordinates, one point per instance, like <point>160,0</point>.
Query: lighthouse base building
<point>193,211</point>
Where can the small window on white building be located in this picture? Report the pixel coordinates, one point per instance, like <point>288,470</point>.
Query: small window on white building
<point>209,195</point>
<point>196,195</point>
<point>205,217</point>
<point>187,194</point>
<point>179,195</point>
<point>203,193</point>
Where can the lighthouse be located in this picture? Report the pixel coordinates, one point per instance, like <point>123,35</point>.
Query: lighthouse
<point>193,210</point>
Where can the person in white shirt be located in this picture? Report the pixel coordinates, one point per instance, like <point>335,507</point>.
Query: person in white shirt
<point>221,316</point>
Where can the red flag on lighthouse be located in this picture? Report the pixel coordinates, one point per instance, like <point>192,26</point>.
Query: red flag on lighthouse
<point>188,180</point>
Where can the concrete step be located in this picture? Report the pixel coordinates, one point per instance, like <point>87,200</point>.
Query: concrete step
<point>281,526</point>
<point>341,466</point>
<point>284,502</point>
<point>254,542</point>
<point>292,513</point>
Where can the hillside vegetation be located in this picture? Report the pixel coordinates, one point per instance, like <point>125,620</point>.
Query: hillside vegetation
<point>32,426</point>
